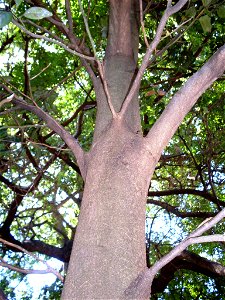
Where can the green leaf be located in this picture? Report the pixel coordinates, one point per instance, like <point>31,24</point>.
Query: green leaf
<point>18,2</point>
<point>37,13</point>
<point>206,2</point>
<point>5,18</point>
<point>191,12</point>
<point>206,23</point>
<point>221,11</point>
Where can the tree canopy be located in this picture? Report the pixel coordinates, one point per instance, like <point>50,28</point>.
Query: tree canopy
<point>40,184</point>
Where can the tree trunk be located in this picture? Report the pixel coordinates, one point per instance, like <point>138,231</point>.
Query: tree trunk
<point>108,255</point>
<point>109,247</point>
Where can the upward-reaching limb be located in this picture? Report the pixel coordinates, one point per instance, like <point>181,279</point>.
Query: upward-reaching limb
<point>181,103</point>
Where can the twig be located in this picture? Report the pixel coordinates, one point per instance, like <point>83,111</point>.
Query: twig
<point>45,68</point>
<point>61,82</point>
<point>49,269</point>
<point>27,83</point>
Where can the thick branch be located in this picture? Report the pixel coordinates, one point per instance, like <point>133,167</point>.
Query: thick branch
<point>189,261</point>
<point>181,103</point>
<point>62,254</point>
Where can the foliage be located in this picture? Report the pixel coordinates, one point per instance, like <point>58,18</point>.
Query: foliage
<point>40,184</point>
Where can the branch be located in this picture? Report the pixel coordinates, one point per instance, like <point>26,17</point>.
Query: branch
<point>37,36</point>
<point>21,192</point>
<point>184,100</point>
<point>87,29</point>
<point>69,15</point>
<point>48,269</point>
<point>105,86</point>
<point>168,13</point>
<point>54,125</point>
<point>203,194</point>
<point>4,264</point>
<point>6,100</point>
<point>62,254</point>
<point>142,23</point>
<point>189,261</point>
<point>181,214</point>
<point>75,42</point>
<point>193,238</point>
<point>141,286</point>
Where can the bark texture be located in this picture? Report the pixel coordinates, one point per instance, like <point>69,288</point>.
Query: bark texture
<point>109,247</point>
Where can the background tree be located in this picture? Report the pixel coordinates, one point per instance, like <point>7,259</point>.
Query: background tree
<point>75,91</point>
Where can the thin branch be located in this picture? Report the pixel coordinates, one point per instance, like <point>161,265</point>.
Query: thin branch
<point>39,73</point>
<point>61,82</point>
<point>109,99</point>
<point>7,42</point>
<point>37,36</point>
<point>49,269</point>
<point>42,29</point>
<point>142,24</point>
<point>87,29</point>
<point>168,13</point>
<point>56,21</point>
<point>189,261</point>
<point>6,100</point>
<point>4,264</point>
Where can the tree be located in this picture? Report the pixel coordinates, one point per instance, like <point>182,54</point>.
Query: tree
<point>134,65</point>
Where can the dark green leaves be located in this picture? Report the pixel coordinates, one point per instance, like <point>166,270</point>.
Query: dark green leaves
<point>191,12</point>
<point>206,2</point>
